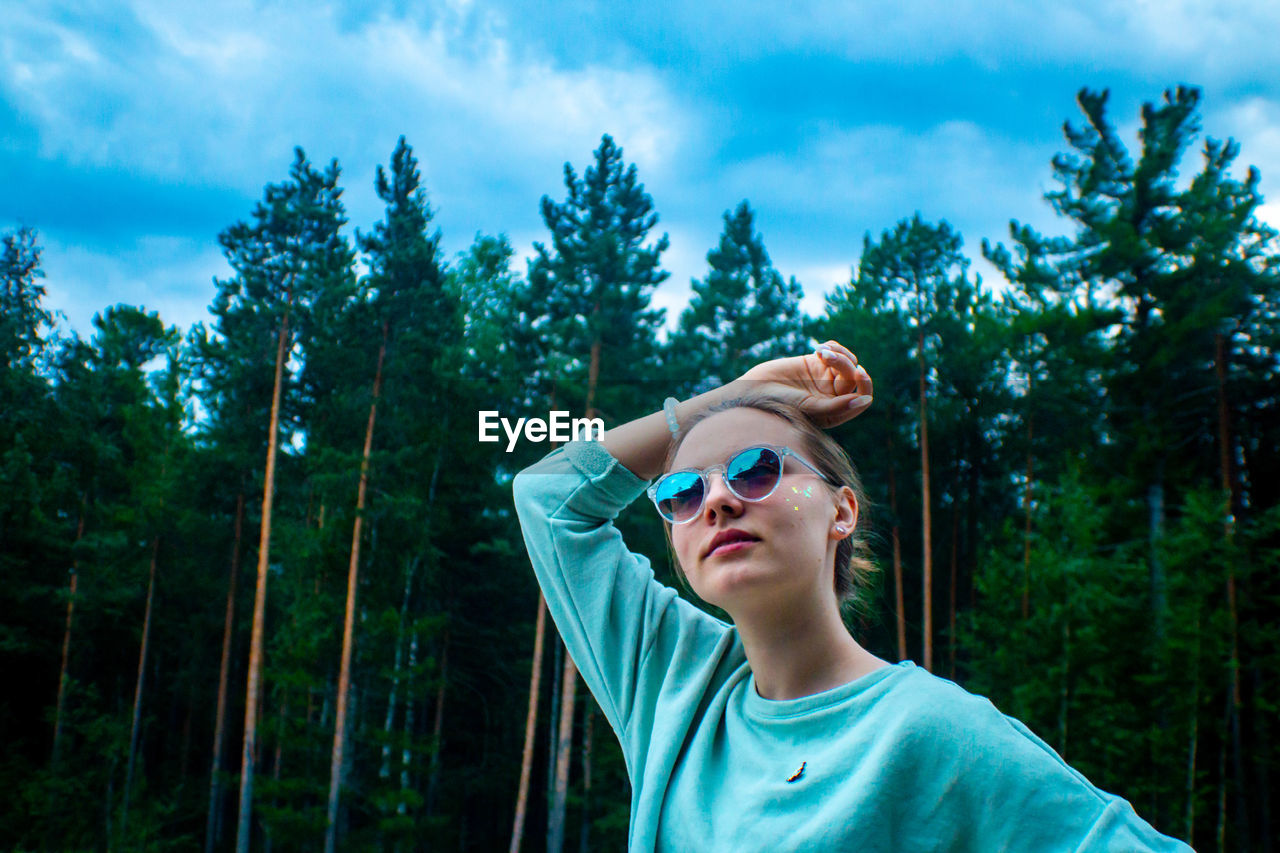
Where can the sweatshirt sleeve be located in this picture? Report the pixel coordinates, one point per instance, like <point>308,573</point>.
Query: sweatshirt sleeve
<point>604,599</point>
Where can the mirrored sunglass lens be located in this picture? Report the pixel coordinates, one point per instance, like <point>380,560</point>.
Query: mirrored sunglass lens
<point>680,495</point>
<point>754,473</point>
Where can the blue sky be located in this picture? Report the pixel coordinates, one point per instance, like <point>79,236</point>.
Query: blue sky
<point>131,133</point>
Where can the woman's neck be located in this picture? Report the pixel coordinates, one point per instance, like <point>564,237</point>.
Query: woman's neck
<point>804,654</point>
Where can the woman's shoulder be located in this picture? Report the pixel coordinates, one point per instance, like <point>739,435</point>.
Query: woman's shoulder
<point>970,727</point>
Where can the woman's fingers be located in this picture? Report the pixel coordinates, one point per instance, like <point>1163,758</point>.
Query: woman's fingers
<point>845,365</point>
<point>863,381</point>
<point>841,349</point>
<point>828,384</point>
<point>851,388</point>
<point>832,411</point>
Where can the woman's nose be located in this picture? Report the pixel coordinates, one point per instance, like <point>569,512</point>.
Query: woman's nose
<point>720,498</point>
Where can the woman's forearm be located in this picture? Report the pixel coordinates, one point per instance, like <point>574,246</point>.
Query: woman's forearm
<point>827,385</point>
<point>641,445</point>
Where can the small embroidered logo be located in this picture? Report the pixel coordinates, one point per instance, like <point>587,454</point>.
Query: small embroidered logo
<point>795,776</point>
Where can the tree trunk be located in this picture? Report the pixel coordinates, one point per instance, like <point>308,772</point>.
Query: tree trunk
<point>1155,532</point>
<point>66,643</point>
<point>1159,613</point>
<point>348,630</point>
<point>437,729</point>
<point>568,695</point>
<point>553,721</point>
<point>587,738</point>
<point>110,796</point>
<point>1261,752</point>
<point>927,523</point>
<point>955,561</point>
<point>137,692</point>
<point>1026,534</point>
<point>278,759</point>
<point>406,755</point>
<point>1194,736</point>
<point>530,728</point>
<point>213,824</point>
<point>1064,690</point>
<point>260,594</point>
<point>1228,524</point>
<point>384,770</point>
<point>1222,787</point>
<point>897,553</point>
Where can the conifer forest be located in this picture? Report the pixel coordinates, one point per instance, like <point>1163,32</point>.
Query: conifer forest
<point>261,586</point>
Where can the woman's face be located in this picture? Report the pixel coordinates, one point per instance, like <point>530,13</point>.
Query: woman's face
<point>741,555</point>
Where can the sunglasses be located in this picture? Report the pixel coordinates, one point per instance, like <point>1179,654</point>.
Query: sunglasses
<point>752,475</point>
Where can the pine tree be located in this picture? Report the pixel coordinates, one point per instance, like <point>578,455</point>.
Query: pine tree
<point>1160,282</point>
<point>414,321</point>
<point>284,260</point>
<point>921,265</point>
<point>592,289</point>
<point>742,313</point>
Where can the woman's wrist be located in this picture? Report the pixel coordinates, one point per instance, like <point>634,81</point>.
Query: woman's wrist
<point>641,445</point>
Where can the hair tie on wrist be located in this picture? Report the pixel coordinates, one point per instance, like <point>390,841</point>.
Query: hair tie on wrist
<point>669,409</point>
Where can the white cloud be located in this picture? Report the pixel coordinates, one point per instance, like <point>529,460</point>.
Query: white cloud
<point>235,86</point>
<point>178,283</point>
<point>1215,41</point>
<point>848,181</point>
<point>1255,123</point>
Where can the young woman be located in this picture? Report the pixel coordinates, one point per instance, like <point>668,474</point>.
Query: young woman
<point>779,731</point>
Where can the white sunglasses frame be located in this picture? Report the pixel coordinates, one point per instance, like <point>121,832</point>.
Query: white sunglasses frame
<point>782,453</point>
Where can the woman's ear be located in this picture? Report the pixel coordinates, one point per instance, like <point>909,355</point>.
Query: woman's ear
<point>846,519</point>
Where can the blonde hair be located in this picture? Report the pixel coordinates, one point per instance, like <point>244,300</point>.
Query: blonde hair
<point>855,569</point>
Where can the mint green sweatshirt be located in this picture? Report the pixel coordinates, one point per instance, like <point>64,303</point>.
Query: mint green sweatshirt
<point>898,760</point>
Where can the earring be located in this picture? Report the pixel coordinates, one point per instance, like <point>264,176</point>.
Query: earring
<point>841,529</point>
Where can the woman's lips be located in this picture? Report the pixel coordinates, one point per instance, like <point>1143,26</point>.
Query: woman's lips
<point>730,547</point>
<point>728,541</point>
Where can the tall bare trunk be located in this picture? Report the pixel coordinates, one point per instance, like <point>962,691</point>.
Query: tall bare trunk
<point>406,755</point>
<point>1228,522</point>
<point>260,595</point>
<point>553,718</point>
<point>213,824</point>
<point>110,795</point>
<point>137,691</point>
<point>1064,689</point>
<point>1261,752</point>
<point>897,553</point>
<point>588,735</point>
<point>1193,738</point>
<point>568,696</point>
<point>569,687</point>
<point>1026,534</point>
<point>1159,615</point>
<point>1155,533</point>
<point>437,728</point>
<point>278,759</point>
<point>530,729</point>
<point>955,568</point>
<point>348,629</point>
<point>66,641</point>
<point>926,501</point>
<point>384,770</point>
<point>1222,790</point>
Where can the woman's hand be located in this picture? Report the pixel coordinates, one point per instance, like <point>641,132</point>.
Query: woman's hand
<point>828,385</point>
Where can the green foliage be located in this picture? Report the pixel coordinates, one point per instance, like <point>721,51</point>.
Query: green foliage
<point>741,314</point>
<point>1076,424</point>
<point>589,292</point>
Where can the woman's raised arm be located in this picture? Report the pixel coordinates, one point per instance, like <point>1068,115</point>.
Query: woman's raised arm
<point>829,385</point>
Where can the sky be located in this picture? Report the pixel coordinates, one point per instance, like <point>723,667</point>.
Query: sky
<point>133,132</point>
